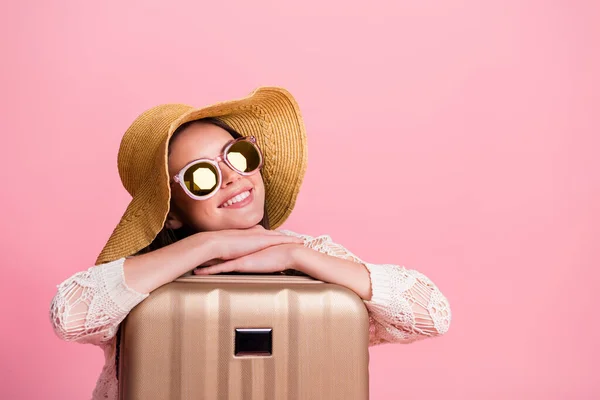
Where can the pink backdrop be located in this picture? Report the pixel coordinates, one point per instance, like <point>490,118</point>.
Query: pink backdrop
<point>476,123</point>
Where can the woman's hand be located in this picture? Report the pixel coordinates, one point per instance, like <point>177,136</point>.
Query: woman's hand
<point>235,243</point>
<point>146,272</point>
<point>272,259</point>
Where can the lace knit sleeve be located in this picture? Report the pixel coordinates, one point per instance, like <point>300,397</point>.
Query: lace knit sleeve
<point>405,306</point>
<point>89,306</point>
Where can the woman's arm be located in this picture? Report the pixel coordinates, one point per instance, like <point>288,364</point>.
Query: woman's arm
<point>327,268</point>
<point>89,306</point>
<point>404,305</point>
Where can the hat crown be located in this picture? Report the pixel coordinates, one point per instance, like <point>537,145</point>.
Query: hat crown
<point>142,143</point>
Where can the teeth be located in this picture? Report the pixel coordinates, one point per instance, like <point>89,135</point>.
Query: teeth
<point>236,199</point>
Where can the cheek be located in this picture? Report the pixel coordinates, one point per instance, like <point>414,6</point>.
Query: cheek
<point>258,185</point>
<point>257,181</point>
<point>193,210</point>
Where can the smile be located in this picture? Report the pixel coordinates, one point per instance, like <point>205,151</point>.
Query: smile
<point>240,200</point>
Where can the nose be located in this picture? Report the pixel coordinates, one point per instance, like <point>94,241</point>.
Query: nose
<point>229,175</point>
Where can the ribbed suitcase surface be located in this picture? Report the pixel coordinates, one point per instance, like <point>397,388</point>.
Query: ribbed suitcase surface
<point>249,337</point>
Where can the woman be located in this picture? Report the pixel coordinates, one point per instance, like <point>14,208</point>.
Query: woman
<point>208,187</point>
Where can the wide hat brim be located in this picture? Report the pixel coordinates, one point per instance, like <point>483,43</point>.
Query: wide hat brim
<point>270,114</point>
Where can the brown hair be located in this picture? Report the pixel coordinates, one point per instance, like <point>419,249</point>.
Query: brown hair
<point>168,236</point>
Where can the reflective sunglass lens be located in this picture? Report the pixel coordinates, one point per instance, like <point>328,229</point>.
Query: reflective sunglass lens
<point>244,156</point>
<point>201,179</point>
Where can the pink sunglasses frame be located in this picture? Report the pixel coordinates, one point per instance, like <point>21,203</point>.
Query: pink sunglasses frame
<point>215,162</point>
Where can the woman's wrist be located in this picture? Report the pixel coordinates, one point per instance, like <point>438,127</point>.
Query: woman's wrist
<point>297,258</point>
<point>205,247</point>
<point>146,272</point>
<point>354,276</point>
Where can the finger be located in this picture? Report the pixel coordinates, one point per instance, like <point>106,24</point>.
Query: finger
<point>228,266</point>
<point>286,239</point>
<point>262,230</point>
<point>270,232</point>
<point>264,233</point>
<point>270,241</point>
<point>209,263</point>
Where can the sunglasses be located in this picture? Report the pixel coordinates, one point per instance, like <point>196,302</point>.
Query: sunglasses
<point>202,178</point>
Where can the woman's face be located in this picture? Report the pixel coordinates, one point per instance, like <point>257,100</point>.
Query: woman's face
<point>204,140</point>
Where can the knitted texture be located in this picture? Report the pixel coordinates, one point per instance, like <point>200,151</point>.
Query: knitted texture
<point>89,306</point>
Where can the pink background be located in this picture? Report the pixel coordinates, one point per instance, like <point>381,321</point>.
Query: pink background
<point>476,122</point>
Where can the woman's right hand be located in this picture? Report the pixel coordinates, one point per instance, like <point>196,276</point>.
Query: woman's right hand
<point>234,243</point>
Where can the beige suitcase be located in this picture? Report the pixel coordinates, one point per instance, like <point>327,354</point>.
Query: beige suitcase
<point>251,337</point>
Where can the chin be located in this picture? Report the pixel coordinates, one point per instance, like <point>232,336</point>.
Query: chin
<point>248,221</point>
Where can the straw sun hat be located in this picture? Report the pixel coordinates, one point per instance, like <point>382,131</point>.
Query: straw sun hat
<point>270,114</point>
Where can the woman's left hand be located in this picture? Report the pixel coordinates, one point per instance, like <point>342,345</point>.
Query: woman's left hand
<point>272,259</point>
